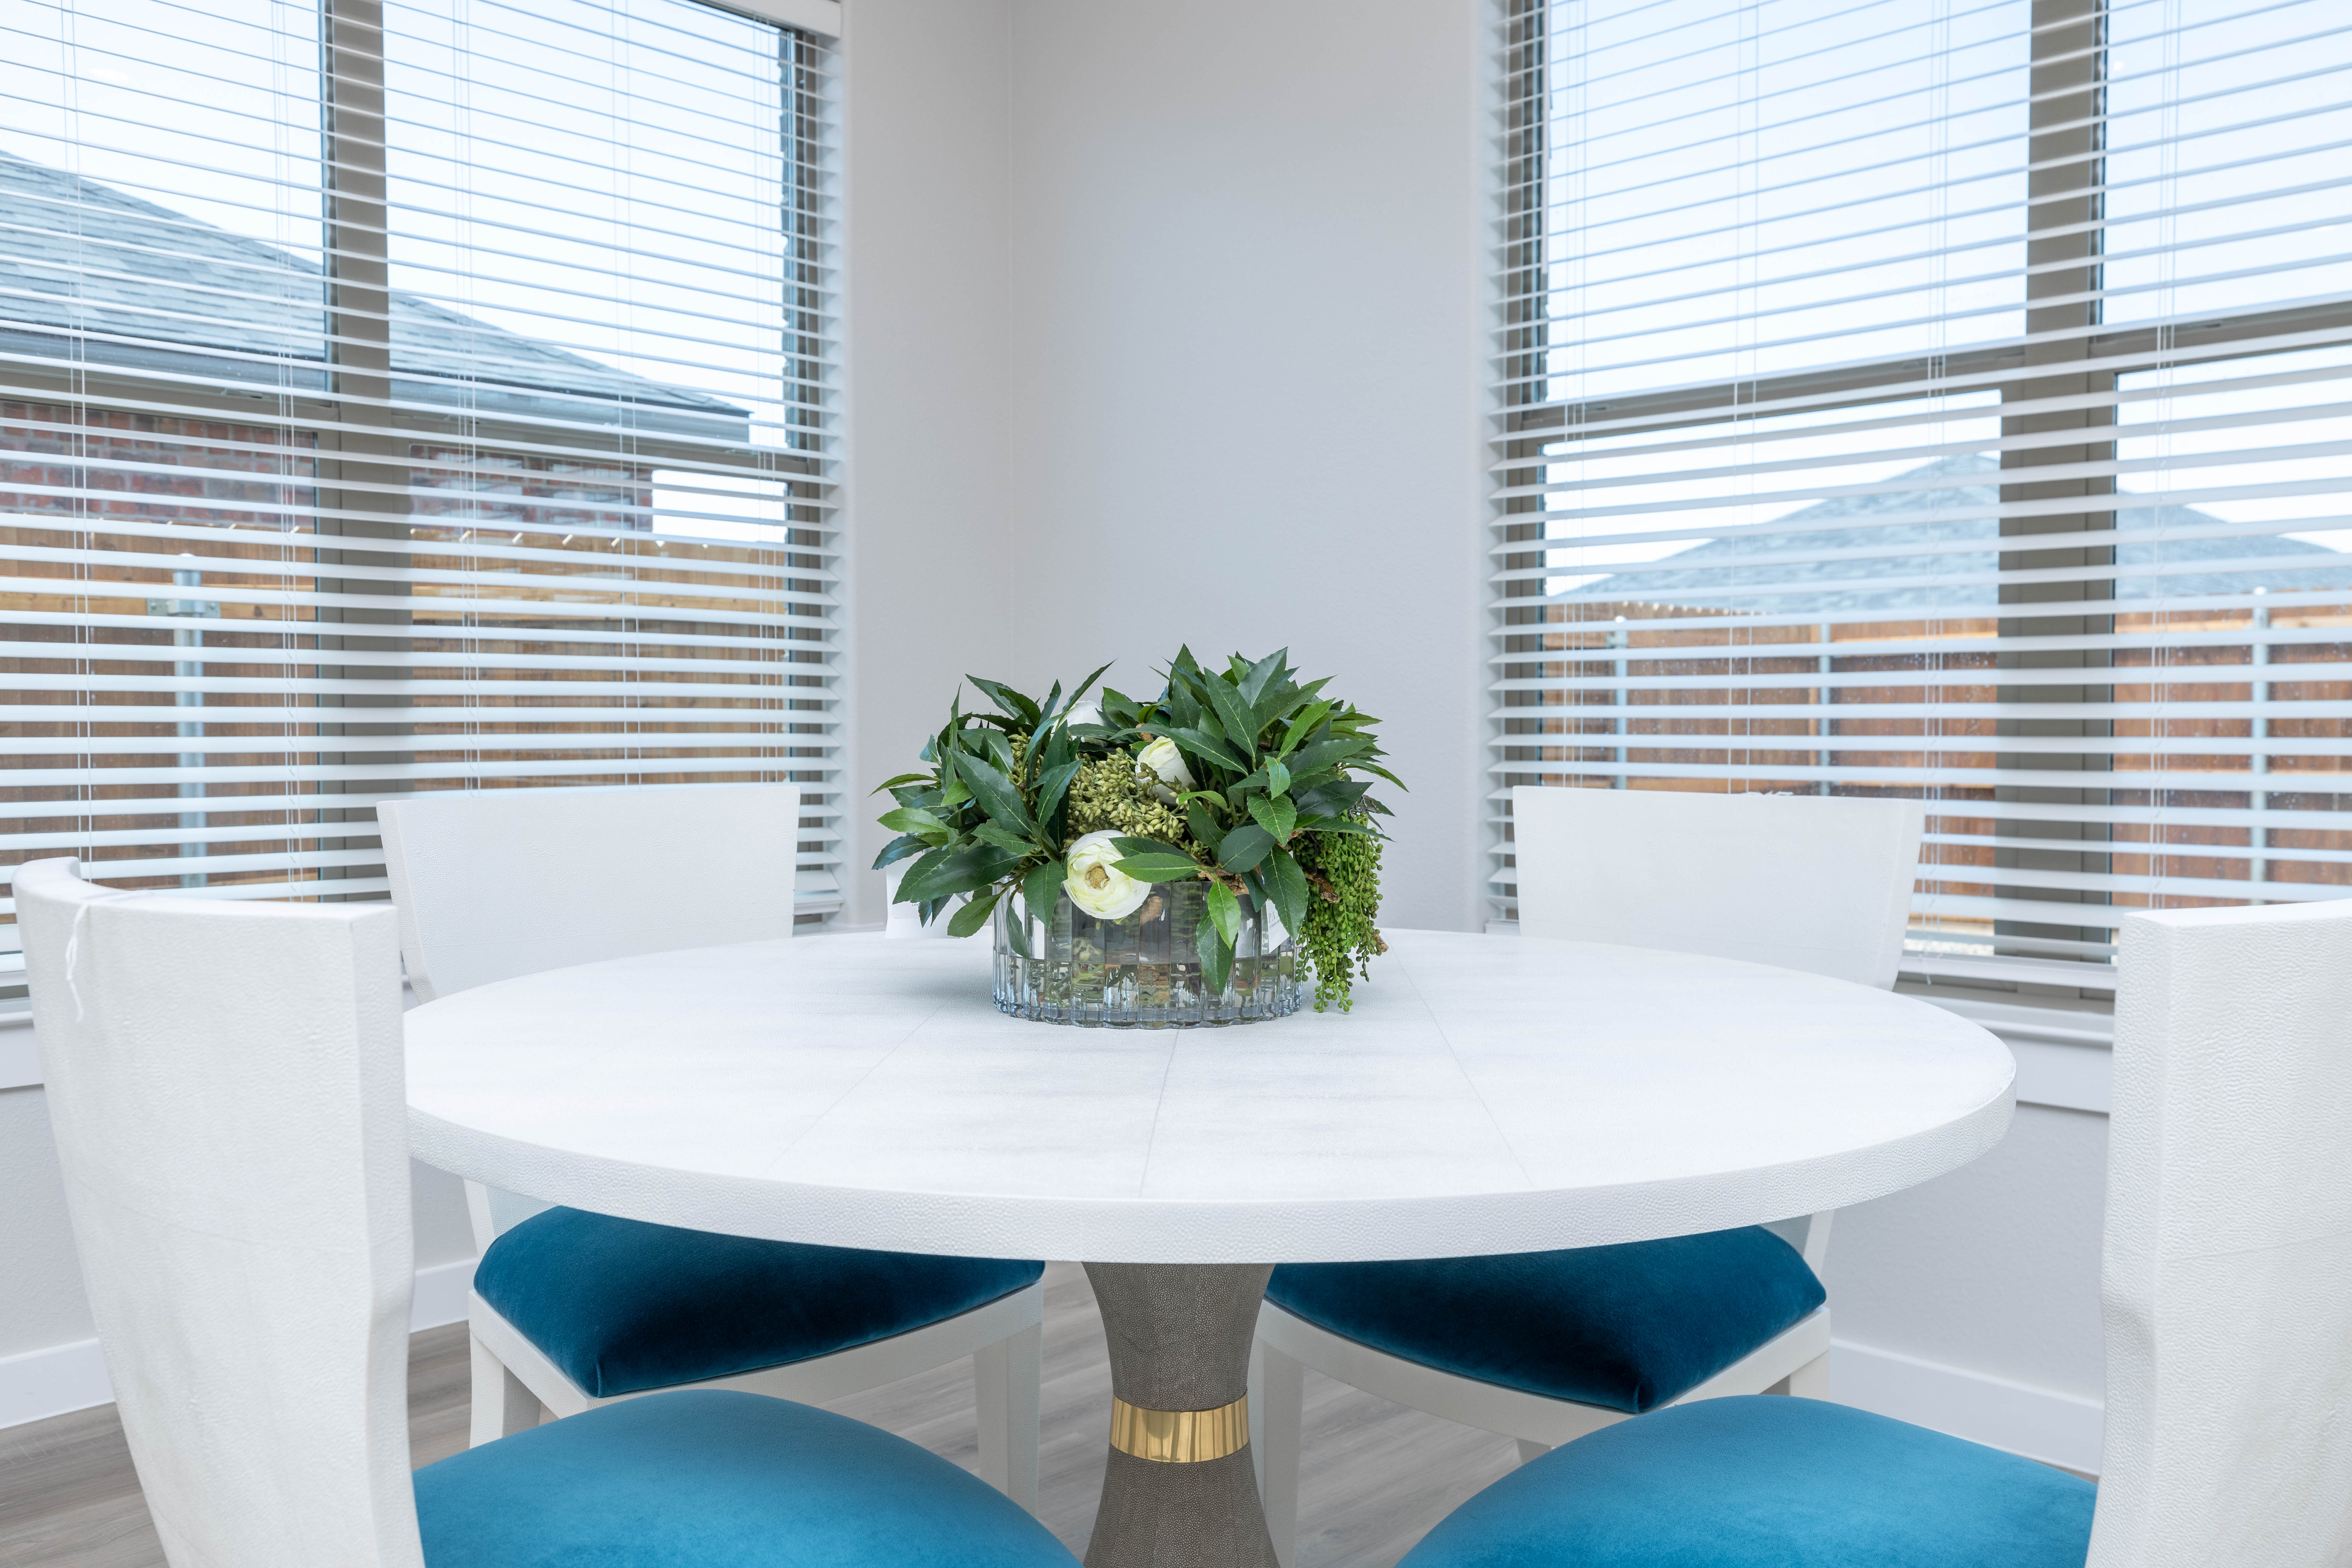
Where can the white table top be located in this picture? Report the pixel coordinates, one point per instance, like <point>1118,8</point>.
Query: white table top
<point>1487,1094</point>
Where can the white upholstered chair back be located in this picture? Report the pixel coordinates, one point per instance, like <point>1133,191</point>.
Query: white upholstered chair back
<point>2228,1278</point>
<point>495,883</point>
<point>1820,883</point>
<point>224,1083</point>
<point>491,884</point>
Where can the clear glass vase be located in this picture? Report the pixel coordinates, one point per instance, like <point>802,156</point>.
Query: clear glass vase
<point>1064,966</point>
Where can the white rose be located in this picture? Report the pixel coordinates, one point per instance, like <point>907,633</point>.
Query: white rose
<point>1095,882</point>
<point>1084,713</point>
<point>1163,759</point>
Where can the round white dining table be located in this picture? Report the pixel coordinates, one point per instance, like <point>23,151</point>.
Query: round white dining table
<point>1487,1094</point>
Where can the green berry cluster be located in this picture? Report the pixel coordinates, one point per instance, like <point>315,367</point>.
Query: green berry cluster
<point>1112,794</point>
<point>1340,939</point>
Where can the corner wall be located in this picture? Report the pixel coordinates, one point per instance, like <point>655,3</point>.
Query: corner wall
<point>930,575</point>
<point>1245,372</point>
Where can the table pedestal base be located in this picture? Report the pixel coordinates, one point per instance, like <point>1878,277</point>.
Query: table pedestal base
<point>1180,1341</point>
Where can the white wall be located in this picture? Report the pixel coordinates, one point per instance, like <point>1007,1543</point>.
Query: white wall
<point>925,197</point>
<point>1244,375</point>
<point>1970,1303</point>
<point>41,1301</point>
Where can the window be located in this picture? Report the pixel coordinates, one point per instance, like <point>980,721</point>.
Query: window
<point>1946,399</point>
<point>402,396</point>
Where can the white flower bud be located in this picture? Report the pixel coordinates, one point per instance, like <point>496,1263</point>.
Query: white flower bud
<point>1164,759</point>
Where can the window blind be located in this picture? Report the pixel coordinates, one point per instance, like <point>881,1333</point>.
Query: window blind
<point>407,396</point>
<point>1940,398</point>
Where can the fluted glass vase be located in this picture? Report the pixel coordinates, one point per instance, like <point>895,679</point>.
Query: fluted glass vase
<point>1062,965</point>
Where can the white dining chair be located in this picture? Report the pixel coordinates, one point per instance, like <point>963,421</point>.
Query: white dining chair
<point>2227,1289</point>
<point>570,1310</point>
<point>1544,1347</point>
<point>225,1089</point>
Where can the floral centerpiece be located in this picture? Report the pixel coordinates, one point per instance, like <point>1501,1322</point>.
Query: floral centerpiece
<point>1158,861</point>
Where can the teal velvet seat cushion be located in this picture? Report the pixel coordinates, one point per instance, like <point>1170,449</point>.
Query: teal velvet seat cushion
<point>1767,1481</point>
<point>1626,1328</point>
<point>708,1479</point>
<point>622,1306</point>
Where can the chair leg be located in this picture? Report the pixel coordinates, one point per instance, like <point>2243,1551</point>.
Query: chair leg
<point>1529,1452</point>
<point>1277,1400</point>
<point>502,1406</point>
<point>1811,1381</point>
<point>1006,1388</point>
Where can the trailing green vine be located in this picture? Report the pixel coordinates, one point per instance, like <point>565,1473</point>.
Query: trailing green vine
<point>1339,938</point>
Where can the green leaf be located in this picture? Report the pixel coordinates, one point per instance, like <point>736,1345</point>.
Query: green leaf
<point>1182,707</point>
<point>974,915</point>
<point>1149,860</point>
<point>999,751</point>
<point>1159,867</point>
<point>1277,816</point>
<point>921,824</point>
<point>1208,747</point>
<point>1043,727</point>
<point>898,848</point>
<point>1235,715</point>
<point>955,795</point>
<point>1010,701</point>
<point>1331,798</point>
<point>1081,691</point>
<point>943,873</point>
<point>902,780</point>
<point>1127,846</point>
<point>1016,936</point>
<point>1004,838</point>
<point>1287,883</point>
<point>1041,887</point>
<point>1203,823</point>
<point>1216,950</point>
<point>1376,768</point>
<point>1278,779</point>
<point>995,794</point>
<point>1052,785</point>
<point>1252,685</point>
<point>1225,913</point>
<point>1328,754</point>
<point>1244,848</point>
<point>1302,727</point>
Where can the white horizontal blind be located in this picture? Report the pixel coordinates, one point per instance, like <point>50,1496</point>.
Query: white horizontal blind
<point>407,396</point>
<point>1940,399</point>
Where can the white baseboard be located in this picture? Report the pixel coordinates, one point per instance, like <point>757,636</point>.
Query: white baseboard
<point>2038,1422</point>
<point>40,1384</point>
<point>59,1379</point>
<point>20,1054</point>
<point>440,1296</point>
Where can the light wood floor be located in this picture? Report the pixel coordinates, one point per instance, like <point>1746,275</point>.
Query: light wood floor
<point>1376,1475</point>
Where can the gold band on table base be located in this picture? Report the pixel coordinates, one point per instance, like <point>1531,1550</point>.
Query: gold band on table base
<point>1180,1436</point>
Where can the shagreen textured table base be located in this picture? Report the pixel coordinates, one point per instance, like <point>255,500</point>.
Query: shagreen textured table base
<point>1179,1345</point>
